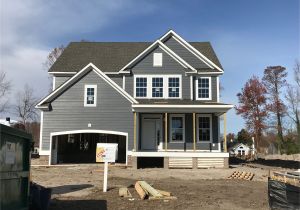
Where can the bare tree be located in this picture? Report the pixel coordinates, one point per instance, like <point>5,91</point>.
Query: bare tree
<point>5,87</point>
<point>51,59</point>
<point>293,99</point>
<point>25,106</point>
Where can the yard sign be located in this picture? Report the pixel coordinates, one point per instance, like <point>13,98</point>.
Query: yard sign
<point>106,152</point>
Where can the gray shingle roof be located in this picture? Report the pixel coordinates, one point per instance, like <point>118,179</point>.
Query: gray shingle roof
<point>111,56</point>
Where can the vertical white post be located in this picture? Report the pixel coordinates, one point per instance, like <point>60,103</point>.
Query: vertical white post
<point>105,176</point>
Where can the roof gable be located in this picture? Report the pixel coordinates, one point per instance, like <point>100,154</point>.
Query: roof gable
<point>192,49</point>
<point>48,99</point>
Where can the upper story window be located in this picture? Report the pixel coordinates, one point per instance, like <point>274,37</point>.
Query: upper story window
<point>141,86</point>
<point>157,59</point>
<point>90,95</point>
<point>157,86</point>
<point>204,128</point>
<point>173,86</point>
<point>203,88</point>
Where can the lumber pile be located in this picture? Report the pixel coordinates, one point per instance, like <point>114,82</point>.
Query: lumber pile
<point>287,177</point>
<point>241,175</point>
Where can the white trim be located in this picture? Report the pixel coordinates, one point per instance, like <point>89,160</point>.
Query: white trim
<point>41,131</point>
<point>85,95</point>
<point>165,49</point>
<point>170,127</point>
<point>165,85</point>
<point>180,154</point>
<point>53,83</point>
<point>218,90</point>
<point>228,106</point>
<point>210,129</point>
<point>101,74</point>
<point>197,89</point>
<point>87,131</point>
<point>62,72</point>
<point>191,48</point>
<point>123,84</point>
<point>157,59</point>
<point>209,73</point>
<point>191,88</point>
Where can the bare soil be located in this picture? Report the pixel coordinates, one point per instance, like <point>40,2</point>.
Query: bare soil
<point>80,187</point>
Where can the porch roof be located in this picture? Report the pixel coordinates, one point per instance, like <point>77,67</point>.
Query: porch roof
<point>180,106</point>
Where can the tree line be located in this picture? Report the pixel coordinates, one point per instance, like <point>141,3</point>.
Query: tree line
<point>270,105</point>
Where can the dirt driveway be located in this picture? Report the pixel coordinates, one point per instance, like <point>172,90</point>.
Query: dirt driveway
<point>80,187</point>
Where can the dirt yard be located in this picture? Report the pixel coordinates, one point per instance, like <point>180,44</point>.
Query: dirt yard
<point>80,187</point>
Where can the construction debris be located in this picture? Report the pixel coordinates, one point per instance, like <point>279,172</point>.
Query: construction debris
<point>124,192</point>
<point>146,187</point>
<point>140,190</point>
<point>241,175</point>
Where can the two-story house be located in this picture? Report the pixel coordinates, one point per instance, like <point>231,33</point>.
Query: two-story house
<point>159,101</point>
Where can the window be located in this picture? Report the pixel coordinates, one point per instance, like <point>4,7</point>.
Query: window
<point>90,95</point>
<point>157,59</point>
<point>177,132</point>
<point>173,87</point>
<point>157,87</point>
<point>203,88</point>
<point>204,128</point>
<point>141,87</point>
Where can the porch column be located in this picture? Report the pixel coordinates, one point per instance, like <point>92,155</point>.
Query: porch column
<point>225,138</point>
<point>166,131</point>
<point>194,131</point>
<point>134,132</point>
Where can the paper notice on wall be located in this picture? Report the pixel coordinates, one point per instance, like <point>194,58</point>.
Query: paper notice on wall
<point>10,153</point>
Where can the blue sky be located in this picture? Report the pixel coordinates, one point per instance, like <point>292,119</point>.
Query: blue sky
<point>246,35</point>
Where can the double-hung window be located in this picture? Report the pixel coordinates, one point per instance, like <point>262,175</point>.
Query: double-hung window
<point>177,132</point>
<point>141,87</point>
<point>204,128</point>
<point>157,87</point>
<point>90,95</point>
<point>173,87</point>
<point>203,86</point>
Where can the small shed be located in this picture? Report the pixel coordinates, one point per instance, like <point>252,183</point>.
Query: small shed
<point>241,150</point>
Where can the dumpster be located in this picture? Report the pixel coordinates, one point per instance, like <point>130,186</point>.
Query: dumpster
<point>14,168</point>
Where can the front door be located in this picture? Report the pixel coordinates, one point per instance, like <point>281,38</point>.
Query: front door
<point>151,133</point>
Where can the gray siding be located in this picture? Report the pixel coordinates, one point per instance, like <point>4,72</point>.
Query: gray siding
<point>60,80</point>
<point>170,66</point>
<point>184,53</point>
<point>113,112</point>
<point>117,79</point>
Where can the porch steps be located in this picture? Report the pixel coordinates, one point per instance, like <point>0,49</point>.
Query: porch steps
<point>180,162</point>
<point>210,163</point>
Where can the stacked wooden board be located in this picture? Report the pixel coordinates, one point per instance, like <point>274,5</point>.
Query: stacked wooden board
<point>241,175</point>
<point>147,191</point>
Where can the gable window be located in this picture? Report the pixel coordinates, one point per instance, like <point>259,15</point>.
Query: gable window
<point>203,91</point>
<point>173,83</point>
<point>204,128</point>
<point>157,87</point>
<point>90,95</point>
<point>157,59</point>
<point>141,87</point>
<point>177,132</point>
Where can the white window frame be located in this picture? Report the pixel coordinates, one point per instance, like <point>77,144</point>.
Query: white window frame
<point>211,128</point>
<point>156,58</point>
<point>85,95</point>
<point>170,128</point>
<point>165,85</point>
<point>197,89</point>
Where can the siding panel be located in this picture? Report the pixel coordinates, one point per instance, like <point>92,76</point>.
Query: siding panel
<point>113,112</point>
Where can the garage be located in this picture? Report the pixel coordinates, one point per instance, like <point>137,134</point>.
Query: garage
<point>78,147</point>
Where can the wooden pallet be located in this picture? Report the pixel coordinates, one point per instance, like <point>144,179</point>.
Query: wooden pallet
<point>241,175</point>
